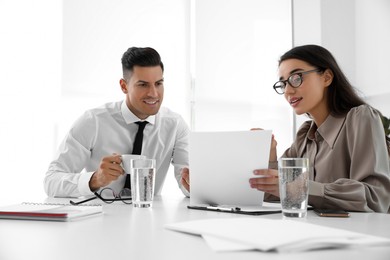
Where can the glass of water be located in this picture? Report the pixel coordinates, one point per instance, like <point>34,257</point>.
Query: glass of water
<point>294,186</point>
<point>143,173</point>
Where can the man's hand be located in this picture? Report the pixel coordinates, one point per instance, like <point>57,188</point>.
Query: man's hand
<point>185,178</point>
<point>109,170</point>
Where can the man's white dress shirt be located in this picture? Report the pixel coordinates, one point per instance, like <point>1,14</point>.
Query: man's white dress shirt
<point>111,129</point>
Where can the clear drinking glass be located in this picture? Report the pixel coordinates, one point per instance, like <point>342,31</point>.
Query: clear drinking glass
<point>294,186</point>
<point>143,173</point>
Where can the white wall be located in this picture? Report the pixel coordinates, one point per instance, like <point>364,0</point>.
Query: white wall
<point>330,23</point>
<point>373,52</point>
<point>358,35</point>
<point>238,43</point>
<point>30,80</point>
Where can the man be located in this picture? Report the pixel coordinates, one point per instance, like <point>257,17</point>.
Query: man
<point>89,157</point>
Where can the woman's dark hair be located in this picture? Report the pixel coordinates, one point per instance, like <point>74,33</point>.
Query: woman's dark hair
<point>143,57</point>
<point>342,95</point>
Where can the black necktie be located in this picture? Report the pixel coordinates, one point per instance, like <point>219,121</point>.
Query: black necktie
<point>137,147</point>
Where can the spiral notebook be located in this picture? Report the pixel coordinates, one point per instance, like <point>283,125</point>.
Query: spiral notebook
<point>49,211</point>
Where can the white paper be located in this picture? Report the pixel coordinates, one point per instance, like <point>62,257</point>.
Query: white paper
<point>269,234</point>
<point>223,245</point>
<point>223,162</point>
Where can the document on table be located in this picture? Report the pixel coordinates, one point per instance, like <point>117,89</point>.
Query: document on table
<point>281,235</point>
<point>223,162</point>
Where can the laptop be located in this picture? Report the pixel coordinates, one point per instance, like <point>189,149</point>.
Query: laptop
<point>221,164</point>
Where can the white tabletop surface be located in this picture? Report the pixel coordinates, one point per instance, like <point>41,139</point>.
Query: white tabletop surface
<point>124,232</point>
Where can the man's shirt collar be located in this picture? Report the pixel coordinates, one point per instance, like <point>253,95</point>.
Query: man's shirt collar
<point>130,118</point>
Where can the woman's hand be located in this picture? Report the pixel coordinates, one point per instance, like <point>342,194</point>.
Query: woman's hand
<point>267,180</point>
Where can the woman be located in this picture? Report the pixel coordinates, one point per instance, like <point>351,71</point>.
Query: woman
<point>345,140</point>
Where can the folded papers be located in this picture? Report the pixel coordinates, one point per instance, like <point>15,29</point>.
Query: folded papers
<point>280,235</point>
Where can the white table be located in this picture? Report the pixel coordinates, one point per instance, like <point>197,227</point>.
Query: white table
<point>124,232</point>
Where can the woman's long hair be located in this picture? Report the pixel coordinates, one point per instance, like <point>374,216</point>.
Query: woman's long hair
<point>342,96</point>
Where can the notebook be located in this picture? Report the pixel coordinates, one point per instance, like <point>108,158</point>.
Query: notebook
<point>48,211</point>
<point>221,165</point>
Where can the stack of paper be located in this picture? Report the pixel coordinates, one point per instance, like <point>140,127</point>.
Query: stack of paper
<point>48,211</point>
<point>273,235</point>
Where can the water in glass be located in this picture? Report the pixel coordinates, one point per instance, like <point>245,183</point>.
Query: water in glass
<point>142,186</point>
<point>294,190</point>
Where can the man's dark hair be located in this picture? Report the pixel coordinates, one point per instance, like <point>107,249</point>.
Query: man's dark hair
<point>143,57</point>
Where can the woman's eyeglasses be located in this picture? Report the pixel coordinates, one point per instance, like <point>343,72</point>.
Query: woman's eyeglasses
<point>108,195</point>
<point>295,80</point>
